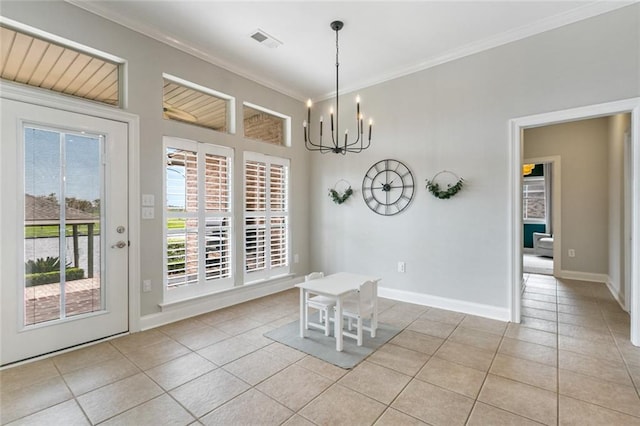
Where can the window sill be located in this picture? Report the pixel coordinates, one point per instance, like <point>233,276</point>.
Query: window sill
<point>177,303</point>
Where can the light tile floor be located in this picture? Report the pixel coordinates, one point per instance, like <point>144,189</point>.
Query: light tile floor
<point>569,362</point>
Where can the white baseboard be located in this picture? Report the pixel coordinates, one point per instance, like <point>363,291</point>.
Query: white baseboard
<point>193,307</point>
<point>487,311</point>
<point>583,276</point>
<point>616,294</point>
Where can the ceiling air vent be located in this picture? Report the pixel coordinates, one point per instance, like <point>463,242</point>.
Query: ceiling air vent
<point>265,39</point>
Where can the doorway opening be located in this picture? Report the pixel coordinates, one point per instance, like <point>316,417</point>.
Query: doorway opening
<point>518,126</point>
<point>540,205</point>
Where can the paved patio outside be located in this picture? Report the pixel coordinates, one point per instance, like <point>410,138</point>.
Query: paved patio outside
<point>42,303</point>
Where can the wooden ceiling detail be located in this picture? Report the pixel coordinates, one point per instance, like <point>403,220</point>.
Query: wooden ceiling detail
<point>41,63</point>
<point>192,106</point>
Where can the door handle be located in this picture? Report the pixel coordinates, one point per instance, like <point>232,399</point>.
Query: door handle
<point>119,244</point>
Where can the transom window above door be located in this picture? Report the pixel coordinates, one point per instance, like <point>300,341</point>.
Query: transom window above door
<point>41,62</point>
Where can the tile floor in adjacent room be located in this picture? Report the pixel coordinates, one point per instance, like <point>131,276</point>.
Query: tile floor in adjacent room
<point>569,362</point>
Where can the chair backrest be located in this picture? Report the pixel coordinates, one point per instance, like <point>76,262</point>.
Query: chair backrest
<point>314,276</point>
<point>366,297</point>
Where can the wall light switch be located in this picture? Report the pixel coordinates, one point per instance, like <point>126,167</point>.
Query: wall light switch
<point>148,213</point>
<point>572,253</point>
<point>148,200</point>
<point>402,267</point>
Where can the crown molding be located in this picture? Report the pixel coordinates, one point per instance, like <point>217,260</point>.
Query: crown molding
<point>575,15</point>
<point>144,29</point>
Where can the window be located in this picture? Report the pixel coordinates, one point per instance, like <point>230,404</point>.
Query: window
<point>198,226</point>
<point>534,202</point>
<point>40,62</point>
<point>266,217</point>
<point>191,103</point>
<point>264,125</point>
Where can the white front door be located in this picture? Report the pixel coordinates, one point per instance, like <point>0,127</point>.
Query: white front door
<point>64,231</point>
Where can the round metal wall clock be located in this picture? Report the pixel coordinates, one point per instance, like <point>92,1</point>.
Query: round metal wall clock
<point>388,187</point>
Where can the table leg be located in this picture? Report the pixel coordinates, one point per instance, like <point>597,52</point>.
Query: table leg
<point>338,324</point>
<point>303,311</point>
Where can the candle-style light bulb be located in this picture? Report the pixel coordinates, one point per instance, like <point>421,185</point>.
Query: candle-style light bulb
<point>331,114</point>
<point>304,124</point>
<point>309,103</point>
<point>357,106</point>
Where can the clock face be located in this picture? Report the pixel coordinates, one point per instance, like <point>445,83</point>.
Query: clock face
<point>388,187</point>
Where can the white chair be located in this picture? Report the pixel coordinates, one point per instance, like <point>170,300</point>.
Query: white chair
<point>320,303</point>
<point>542,244</point>
<point>360,308</point>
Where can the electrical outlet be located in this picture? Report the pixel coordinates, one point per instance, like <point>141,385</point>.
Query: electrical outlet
<point>402,267</point>
<point>146,286</point>
<point>572,253</point>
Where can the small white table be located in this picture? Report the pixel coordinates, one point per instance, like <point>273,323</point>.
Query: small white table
<point>336,286</point>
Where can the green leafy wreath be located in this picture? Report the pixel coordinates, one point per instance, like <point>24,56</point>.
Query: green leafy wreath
<point>339,199</point>
<point>451,190</point>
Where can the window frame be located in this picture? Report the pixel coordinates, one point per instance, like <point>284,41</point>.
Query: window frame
<point>231,106</point>
<point>120,63</point>
<point>202,286</point>
<point>525,182</point>
<point>268,272</point>
<point>286,124</point>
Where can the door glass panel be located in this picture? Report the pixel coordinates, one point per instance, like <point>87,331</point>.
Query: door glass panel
<point>82,202</point>
<point>62,245</point>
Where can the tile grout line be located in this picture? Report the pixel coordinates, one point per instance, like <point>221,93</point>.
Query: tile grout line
<point>624,360</point>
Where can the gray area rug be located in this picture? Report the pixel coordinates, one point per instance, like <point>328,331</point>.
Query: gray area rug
<point>320,346</point>
<point>532,264</point>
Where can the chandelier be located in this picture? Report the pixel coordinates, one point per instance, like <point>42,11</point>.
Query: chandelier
<point>336,146</point>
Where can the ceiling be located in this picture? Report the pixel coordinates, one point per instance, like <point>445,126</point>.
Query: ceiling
<point>380,40</point>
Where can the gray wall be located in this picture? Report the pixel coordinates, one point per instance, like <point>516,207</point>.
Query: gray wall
<point>456,117</point>
<point>146,60</point>
<point>583,148</point>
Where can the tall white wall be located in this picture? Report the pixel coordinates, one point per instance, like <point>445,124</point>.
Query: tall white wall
<point>146,60</point>
<point>583,147</point>
<point>455,116</point>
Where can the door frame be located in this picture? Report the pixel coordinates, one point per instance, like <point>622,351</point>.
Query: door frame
<point>516,130</point>
<point>556,204</point>
<point>53,100</point>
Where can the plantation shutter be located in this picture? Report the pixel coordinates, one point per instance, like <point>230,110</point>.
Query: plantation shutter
<point>198,218</point>
<point>278,222</point>
<point>266,237</point>
<point>217,211</point>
